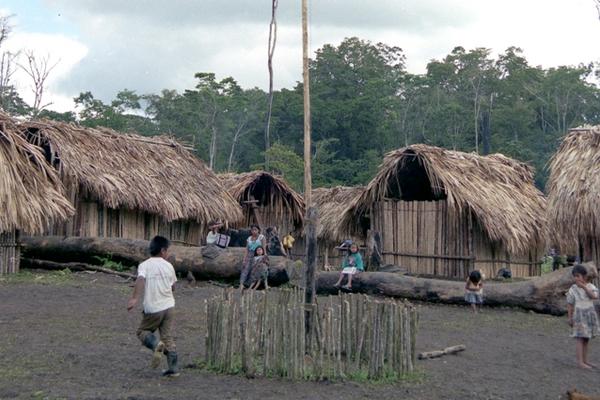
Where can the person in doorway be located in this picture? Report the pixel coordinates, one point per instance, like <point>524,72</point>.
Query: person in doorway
<point>581,312</point>
<point>474,290</point>
<point>254,241</point>
<point>352,265</point>
<point>155,281</point>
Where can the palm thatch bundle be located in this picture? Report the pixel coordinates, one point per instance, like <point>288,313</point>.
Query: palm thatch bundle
<point>156,175</point>
<point>31,194</point>
<point>499,191</point>
<point>271,192</point>
<point>574,189</point>
<point>331,203</point>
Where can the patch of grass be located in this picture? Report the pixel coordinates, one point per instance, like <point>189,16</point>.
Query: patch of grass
<point>41,278</point>
<point>108,262</point>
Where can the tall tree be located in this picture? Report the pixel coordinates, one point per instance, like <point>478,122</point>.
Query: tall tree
<point>38,69</point>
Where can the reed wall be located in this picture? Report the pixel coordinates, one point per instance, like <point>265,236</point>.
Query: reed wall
<point>10,252</point>
<point>428,238</point>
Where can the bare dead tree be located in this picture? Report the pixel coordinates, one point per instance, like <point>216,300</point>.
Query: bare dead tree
<point>5,27</point>
<point>38,69</point>
<point>271,51</point>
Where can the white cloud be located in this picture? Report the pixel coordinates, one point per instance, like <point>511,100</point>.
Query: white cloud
<point>63,51</point>
<point>149,45</point>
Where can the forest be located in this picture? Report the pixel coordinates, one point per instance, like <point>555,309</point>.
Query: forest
<point>364,104</point>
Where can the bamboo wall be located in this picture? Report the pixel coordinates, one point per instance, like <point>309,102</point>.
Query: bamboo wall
<point>427,238</point>
<point>10,252</point>
<point>590,250</point>
<point>327,253</point>
<point>93,219</point>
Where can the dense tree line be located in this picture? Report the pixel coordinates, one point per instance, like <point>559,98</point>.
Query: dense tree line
<point>364,103</point>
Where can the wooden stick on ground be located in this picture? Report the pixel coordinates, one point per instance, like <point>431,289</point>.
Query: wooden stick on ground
<point>439,353</point>
<point>45,264</point>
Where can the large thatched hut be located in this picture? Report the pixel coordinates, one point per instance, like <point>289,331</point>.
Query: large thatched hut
<point>130,186</point>
<point>31,195</point>
<point>266,199</point>
<point>444,213</point>
<point>574,194</point>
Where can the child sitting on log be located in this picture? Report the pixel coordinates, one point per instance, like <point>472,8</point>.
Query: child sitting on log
<point>474,290</point>
<point>582,313</point>
<point>260,269</point>
<point>352,265</point>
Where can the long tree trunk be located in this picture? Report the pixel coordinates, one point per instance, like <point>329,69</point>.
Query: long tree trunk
<point>203,262</point>
<point>543,294</point>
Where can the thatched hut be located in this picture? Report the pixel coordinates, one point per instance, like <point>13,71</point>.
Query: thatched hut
<point>444,213</point>
<point>266,199</point>
<point>330,203</point>
<point>31,197</point>
<point>574,194</point>
<point>130,186</point>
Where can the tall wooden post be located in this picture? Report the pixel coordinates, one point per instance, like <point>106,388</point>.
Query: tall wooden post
<point>310,220</point>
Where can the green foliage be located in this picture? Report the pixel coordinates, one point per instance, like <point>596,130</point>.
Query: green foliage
<point>364,104</point>
<point>108,262</point>
<point>40,278</point>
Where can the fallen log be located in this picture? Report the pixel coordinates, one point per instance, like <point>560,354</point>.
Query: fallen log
<point>205,263</point>
<point>73,266</point>
<point>438,353</point>
<point>544,294</point>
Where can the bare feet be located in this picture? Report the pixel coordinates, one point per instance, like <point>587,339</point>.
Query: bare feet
<point>584,366</point>
<point>589,364</point>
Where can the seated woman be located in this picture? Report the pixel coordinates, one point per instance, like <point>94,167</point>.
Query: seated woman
<point>260,269</point>
<point>353,264</point>
<point>213,233</point>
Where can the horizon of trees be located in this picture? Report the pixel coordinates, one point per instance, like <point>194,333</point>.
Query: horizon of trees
<point>364,104</point>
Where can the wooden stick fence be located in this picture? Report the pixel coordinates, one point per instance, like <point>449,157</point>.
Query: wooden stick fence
<point>356,335</point>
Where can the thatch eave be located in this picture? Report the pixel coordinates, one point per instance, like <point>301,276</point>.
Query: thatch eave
<point>499,191</point>
<point>574,188</point>
<point>157,175</point>
<point>31,194</point>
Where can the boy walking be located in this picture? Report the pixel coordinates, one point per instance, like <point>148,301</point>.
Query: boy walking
<point>155,279</point>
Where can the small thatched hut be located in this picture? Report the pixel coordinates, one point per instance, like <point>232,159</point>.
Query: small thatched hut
<point>31,197</point>
<point>574,194</point>
<point>331,203</point>
<point>130,186</point>
<point>444,213</point>
<point>266,199</point>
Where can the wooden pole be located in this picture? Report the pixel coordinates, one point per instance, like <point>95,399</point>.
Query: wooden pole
<point>311,213</point>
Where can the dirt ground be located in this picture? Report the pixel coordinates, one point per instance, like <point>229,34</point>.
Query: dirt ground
<point>68,336</point>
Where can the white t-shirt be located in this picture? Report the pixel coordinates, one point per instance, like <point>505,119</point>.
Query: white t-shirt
<point>160,276</point>
<point>211,238</point>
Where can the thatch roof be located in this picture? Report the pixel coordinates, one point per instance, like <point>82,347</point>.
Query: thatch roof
<point>574,188</point>
<point>268,189</point>
<point>331,203</point>
<point>157,175</point>
<point>31,194</point>
<point>498,190</point>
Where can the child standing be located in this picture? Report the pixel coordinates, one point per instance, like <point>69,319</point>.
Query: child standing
<point>155,280</point>
<point>474,290</point>
<point>352,265</point>
<point>582,314</point>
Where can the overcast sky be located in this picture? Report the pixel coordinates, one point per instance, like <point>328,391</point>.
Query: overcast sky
<point>148,45</point>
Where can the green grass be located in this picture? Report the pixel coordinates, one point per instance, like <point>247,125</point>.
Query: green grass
<point>40,278</point>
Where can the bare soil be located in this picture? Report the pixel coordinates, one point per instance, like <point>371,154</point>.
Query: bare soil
<point>68,336</point>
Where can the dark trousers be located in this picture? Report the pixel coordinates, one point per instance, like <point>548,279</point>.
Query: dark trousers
<point>163,321</point>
